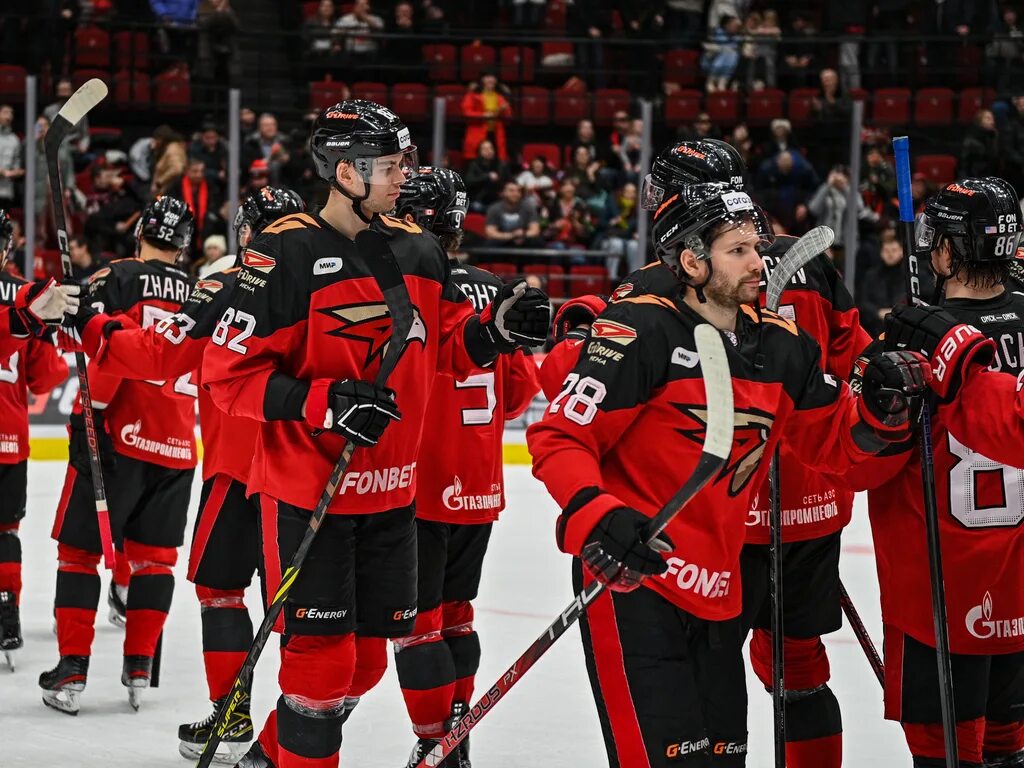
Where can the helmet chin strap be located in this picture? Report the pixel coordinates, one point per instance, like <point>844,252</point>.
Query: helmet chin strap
<point>357,201</point>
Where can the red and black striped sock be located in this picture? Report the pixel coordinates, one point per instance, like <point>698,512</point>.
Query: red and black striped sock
<point>227,634</point>
<point>10,560</point>
<point>76,600</point>
<point>426,673</point>
<point>150,590</point>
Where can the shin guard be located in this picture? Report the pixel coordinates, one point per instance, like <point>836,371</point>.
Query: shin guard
<point>227,634</point>
<point>150,590</point>
<point>76,600</point>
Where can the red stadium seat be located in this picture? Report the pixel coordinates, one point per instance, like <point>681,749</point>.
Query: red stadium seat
<point>92,47</point>
<point>100,137</point>
<point>377,92</point>
<point>411,101</point>
<point>475,223</point>
<point>969,64</point>
<point>551,153</point>
<point>571,106</point>
<point>475,59</point>
<point>440,62</point>
<point>940,169</point>
<point>587,279</point>
<point>682,107</point>
<point>555,16</point>
<point>534,105</point>
<point>132,89</point>
<point>325,93</point>
<point>452,95</point>
<point>81,76</point>
<point>892,106</point>
<point>557,48</point>
<point>723,107</point>
<point>933,106</point>
<point>503,269</point>
<point>764,106</point>
<point>517,64</point>
<point>682,67</point>
<point>131,50</point>
<point>801,105</point>
<point>173,92</point>
<point>608,101</point>
<point>12,83</point>
<point>971,100</point>
<point>553,275</point>
<point>309,9</point>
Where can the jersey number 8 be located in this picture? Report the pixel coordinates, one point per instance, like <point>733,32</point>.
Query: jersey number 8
<point>975,477</point>
<point>235,317</point>
<point>587,392</point>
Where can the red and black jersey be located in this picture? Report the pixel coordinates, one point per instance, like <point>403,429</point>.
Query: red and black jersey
<point>980,501</point>
<point>460,462</point>
<point>818,301</point>
<point>630,421</point>
<point>173,348</point>
<point>151,420</point>
<point>306,311</point>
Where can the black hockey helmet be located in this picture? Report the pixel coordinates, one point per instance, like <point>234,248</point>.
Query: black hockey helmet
<point>691,162</point>
<point>980,218</point>
<point>6,236</point>
<point>360,132</point>
<point>167,224</point>
<point>436,199</point>
<point>265,206</point>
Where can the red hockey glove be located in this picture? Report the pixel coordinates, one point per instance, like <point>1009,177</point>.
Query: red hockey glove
<point>357,410</point>
<point>950,345</point>
<point>86,330</point>
<point>518,316</point>
<point>41,304</point>
<point>889,382</point>
<point>582,310</point>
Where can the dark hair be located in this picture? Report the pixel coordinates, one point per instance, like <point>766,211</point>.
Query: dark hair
<point>451,241</point>
<point>81,240</point>
<point>983,274</point>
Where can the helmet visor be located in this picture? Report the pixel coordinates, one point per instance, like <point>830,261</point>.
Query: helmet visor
<point>926,237</point>
<point>651,194</point>
<point>389,169</point>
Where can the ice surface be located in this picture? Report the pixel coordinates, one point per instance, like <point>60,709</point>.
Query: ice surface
<point>548,719</point>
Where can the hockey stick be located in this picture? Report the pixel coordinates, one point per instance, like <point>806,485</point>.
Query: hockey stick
<point>715,453</point>
<point>901,148</point>
<point>862,634</point>
<point>74,109</point>
<point>381,262</point>
<point>796,257</point>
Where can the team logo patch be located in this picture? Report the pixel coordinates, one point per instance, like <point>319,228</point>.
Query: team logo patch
<point>211,286</point>
<point>617,333</point>
<point>750,437</point>
<point>258,261</point>
<point>371,324</point>
<point>622,291</point>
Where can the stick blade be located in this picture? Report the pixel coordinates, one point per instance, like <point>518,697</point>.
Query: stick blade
<point>717,389</point>
<point>818,240</point>
<point>84,99</point>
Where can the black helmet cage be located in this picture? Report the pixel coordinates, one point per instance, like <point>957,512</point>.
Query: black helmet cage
<point>265,206</point>
<point>167,224</point>
<point>437,200</point>
<point>6,236</point>
<point>690,162</point>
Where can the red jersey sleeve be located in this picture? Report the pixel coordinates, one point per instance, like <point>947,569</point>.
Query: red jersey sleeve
<point>988,414</point>
<point>45,367</point>
<point>521,383</point>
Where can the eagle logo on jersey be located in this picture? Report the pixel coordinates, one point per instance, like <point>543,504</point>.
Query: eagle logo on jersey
<point>750,436</point>
<point>371,323</point>
<point>210,286</point>
<point>258,261</point>
<point>622,291</point>
<point>617,333</point>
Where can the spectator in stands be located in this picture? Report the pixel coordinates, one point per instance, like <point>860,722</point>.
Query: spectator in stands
<point>114,208</point>
<point>884,285</point>
<point>16,257</point>
<point>629,149</point>
<point>878,182</point>
<point>760,49</point>
<point>258,178</point>
<point>849,20</point>
<point>684,18</point>
<point>534,281</point>
<point>744,144</point>
<point>799,54</point>
<point>400,51</point>
<point>780,138</point>
<point>536,180</point>
<point>168,161</point>
<point>298,174</point>
<point>214,248</point>
<point>785,182</point>
<point>566,222</point>
<point>247,123</point>
<point>619,232</point>
<point>218,60</point>
<point>828,205</point>
<point>83,260</point>
<point>268,144</point>
<point>947,19</point>
<point>1012,144</point>
<point>1004,56</point>
<point>177,26</point>
<point>205,198</point>
<point>485,174</point>
<point>434,21</point>
<point>590,22</point>
<point>357,28</point>
<point>979,153</point>
<point>44,207</point>
<point>832,122</point>
<point>583,173</point>
<point>486,106</point>
<point>512,222</point>
<point>722,53</point>
<point>211,149</point>
<point>318,31</point>
<point>701,128</point>
<point>586,136</point>
<point>175,11</point>
<point>78,138</point>
<point>11,166</point>
<point>890,18</point>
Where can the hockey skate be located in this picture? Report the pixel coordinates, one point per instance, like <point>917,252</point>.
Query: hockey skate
<point>255,758</point>
<point>423,747</point>
<point>459,709</point>
<point>63,685</point>
<point>117,600</point>
<point>10,627</point>
<point>192,737</point>
<point>135,676</point>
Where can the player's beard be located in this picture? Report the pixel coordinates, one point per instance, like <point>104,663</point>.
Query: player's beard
<point>730,294</point>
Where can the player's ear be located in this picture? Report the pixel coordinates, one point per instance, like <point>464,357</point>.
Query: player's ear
<point>689,263</point>
<point>344,172</point>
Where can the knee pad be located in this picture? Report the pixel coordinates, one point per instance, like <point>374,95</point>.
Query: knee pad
<point>465,650</point>
<point>371,663</point>
<point>74,559</point>
<point>10,544</point>
<point>457,618</point>
<point>220,598</point>
<point>426,630</point>
<point>147,559</point>
<point>928,746</point>
<point>317,667</point>
<point>1003,744</point>
<point>812,714</point>
<point>805,663</point>
<point>308,728</point>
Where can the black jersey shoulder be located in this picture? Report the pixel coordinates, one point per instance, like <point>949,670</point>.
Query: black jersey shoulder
<point>655,279</point>
<point>1002,320</point>
<point>417,250</point>
<point>478,285</point>
<point>818,275</point>
<point>126,282</point>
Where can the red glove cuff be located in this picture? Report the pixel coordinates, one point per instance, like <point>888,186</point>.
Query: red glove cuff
<point>316,402</point>
<point>92,334</point>
<point>564,320</point>
<point>574,529</point>
<point>960,347</point>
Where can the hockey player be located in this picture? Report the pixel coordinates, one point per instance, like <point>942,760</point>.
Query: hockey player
<point>146,433</point>
<point>28,364</point>
<point>305,336</point>
<point>820,305</point>
<point>665,661</point>
<point>970,231</point>
<point>460,490</point>
<point>225,539</point>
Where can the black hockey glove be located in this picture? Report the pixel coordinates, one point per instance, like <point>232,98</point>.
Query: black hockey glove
<point>889,382</point>
<point>616,554</point>
<point>356,410</point>
<point>78,449</point>
<point>948,344</point>
<point>518,316</point>
<point>582,310</point>
<point>42,304</point>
